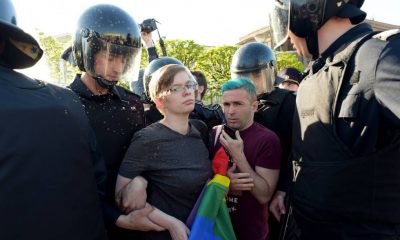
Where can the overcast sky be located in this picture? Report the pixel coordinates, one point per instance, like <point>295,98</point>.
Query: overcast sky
<point>208,22</point>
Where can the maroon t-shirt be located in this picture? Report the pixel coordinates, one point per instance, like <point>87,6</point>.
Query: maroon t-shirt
<point>263,149</point>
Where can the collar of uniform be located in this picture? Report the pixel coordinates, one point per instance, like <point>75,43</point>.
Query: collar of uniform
<point>268,97</point>
<point>79,87</point>
<point>19,80</point>
<point>198,102</point>
<point>345,39</point>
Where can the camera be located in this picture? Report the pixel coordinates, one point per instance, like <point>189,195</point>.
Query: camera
<point>148,25</point>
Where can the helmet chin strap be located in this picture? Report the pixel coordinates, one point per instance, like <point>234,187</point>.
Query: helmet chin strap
<point>105,83</point>
<point>312,45</point>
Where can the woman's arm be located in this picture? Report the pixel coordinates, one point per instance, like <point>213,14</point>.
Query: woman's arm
<point>176,228</point>
<point>130,194</point>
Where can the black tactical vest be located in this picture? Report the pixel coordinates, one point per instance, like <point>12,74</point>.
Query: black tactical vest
<point>332,184</point>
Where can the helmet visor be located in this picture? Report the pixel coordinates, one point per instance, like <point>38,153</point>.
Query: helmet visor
<point>279,22</point>
<point>110,61</point>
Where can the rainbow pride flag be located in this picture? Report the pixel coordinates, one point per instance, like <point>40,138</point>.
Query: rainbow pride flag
<point>212,221</point>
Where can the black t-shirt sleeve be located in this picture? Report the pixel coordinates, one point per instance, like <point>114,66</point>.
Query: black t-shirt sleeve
<point>137,157</point>
<point>152,54</point>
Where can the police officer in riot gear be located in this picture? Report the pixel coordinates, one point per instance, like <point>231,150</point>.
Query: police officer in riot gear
<point>346,144</point>
<point>255,60</point>
<point>114,36</point>
<point>47,180</point>
<point>107,49</point>
<point>210,114</point>
<point>137,85</point>
<point>276,106</point>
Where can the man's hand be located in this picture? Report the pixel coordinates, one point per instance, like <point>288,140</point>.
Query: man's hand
<point>133,195</point>
<point>147,39</point>
<point>233,146</point>
<point>138,220</point>
<point>239,181</point>
<point>277,205</point>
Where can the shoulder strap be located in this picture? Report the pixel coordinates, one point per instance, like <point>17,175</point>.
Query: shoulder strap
<point>384,36</point>
<point>203,129</point>
<point>351,49</point>
<point>217,132</point>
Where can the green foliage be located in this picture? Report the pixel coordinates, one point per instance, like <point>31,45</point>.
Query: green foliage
<point>288,59</point>
<point>52,50</point>
<point>143,61</point>
<point>215,64</point>
<point>186,51</point>
<point>60,71</point>
<point>123,84</point>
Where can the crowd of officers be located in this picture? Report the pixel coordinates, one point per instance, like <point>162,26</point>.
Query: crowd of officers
<point>61,149</point>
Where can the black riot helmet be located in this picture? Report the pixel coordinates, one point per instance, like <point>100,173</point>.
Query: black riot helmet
<point>255,58</point>
<point>20,49</point>
<point>305,17</point>
<point>112,32</point>
<point>152,68</point>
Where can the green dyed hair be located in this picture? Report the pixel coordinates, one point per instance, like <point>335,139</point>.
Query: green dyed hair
<point>241,83</point>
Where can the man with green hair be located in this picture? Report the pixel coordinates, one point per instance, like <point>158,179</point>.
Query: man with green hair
<point>255,152</point>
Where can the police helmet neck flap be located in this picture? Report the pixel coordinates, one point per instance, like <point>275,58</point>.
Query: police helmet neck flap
<point>305,17</point>
<point>20,50</point>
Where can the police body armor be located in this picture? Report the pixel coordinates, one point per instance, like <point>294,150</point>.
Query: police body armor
<point>46,167</point>
<point>332,184</point>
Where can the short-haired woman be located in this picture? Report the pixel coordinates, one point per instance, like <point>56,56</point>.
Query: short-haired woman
<point>170,154</point>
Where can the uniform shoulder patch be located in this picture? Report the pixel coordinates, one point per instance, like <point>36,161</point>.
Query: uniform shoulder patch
<point>384,36</point>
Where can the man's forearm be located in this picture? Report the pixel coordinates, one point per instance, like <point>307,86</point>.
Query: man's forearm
<point>261,190</point>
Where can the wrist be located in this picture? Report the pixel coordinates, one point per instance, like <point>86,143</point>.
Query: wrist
<point>122,222</point>
<point>149,44</point>
<point>172,222</point>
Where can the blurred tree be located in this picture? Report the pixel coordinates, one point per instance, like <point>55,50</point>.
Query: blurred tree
<point>186,51</point>
<point>215,64</point>
<point>288,59</point>
<point>52,50</point>
<point>61,72</point>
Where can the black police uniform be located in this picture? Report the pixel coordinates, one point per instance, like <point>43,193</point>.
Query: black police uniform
<point>210,114</point>
<point>152,114</point>
<point>275,112</point>
<point>346,141</point>
<point>48,188</point>
<point>151,54</point>
<point>114,117</point>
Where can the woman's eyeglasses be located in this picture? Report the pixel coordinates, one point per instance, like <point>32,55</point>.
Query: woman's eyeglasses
<point>191,86</point>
